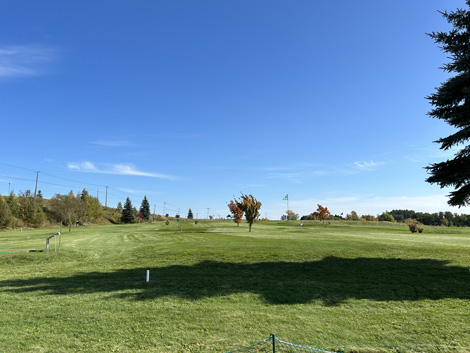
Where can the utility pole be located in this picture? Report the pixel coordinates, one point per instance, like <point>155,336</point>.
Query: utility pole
<point>208,212</point>
<point>164,208</point>
<point>154,209</point>
<point>8,188</point>
<point>106,199</point>
<point>36,188</point>
<point>98,194</point>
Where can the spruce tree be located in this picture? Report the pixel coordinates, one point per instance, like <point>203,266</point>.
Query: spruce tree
<point>451,103</point>
<point>145,209</point>
<point>127,212</point>
<point>190,214</point>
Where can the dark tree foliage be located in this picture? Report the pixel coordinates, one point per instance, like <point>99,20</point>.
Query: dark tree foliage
<point>190,214</point>
<point>127,212</point>
<point>451,103</point>
<point>145,209</point>
<point>401,215</point>
<point>5,216</point>
<point>447,219</point>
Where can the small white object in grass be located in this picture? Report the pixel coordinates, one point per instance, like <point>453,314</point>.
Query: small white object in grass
<point>148,276</point>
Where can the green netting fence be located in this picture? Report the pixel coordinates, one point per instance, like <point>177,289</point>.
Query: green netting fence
<point>274,345</point>
<point>18,251</point>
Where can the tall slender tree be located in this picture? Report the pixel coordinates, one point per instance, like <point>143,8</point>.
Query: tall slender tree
<point>145,209</point>
<point>127,212</point>
<point>451,103</point>
<point>190,214</point>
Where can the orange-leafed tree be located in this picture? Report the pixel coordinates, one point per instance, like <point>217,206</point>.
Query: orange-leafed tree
<point>237,213</point>
<point>321,213</point>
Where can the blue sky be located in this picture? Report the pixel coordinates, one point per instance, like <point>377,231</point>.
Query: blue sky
<point>193,102</point>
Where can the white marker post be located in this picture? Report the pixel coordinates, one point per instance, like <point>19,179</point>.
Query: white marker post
<point>148,276</point>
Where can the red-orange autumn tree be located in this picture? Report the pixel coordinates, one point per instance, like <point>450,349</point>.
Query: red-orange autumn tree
<point>237,213</point>
<point>321,213</point>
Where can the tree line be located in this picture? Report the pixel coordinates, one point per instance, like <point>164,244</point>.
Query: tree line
<point>447,219</point>
<point>25,210</point>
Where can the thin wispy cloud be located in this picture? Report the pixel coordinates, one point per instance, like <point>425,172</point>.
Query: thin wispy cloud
<point>366,165</point>
<point>295,171</point>
<point>314,170</point>
<point>117,169</point>
<point>320,173</point>
<point>83,166</point>
<point>138,192</point>
<point>130,191</point>
<point>25,60</point>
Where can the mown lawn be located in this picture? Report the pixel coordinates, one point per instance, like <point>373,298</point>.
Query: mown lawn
<point>214,286</point>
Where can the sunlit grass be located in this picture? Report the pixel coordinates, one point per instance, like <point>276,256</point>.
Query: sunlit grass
<point>214,286</point>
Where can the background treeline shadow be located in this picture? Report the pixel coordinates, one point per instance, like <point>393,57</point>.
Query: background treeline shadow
<point>331,280</point>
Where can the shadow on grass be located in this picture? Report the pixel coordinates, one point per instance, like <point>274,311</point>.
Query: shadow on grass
<point>331,280</point>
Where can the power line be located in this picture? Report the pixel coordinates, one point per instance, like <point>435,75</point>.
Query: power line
<point>75,181</point>
<point>80,185</point>
<point>15,166</point>
<point>51,175</point>
<point>11,177</point>
<point>42,182</point>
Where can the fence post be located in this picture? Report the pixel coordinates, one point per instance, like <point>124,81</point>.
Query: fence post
<point>274,342</point>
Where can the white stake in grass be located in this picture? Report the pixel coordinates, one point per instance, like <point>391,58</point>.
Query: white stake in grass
<point>148,276</point>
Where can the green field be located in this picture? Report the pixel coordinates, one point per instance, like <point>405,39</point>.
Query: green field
<point>214,286</point>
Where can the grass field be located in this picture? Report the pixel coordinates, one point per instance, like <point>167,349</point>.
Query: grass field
<point>214,286</point>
